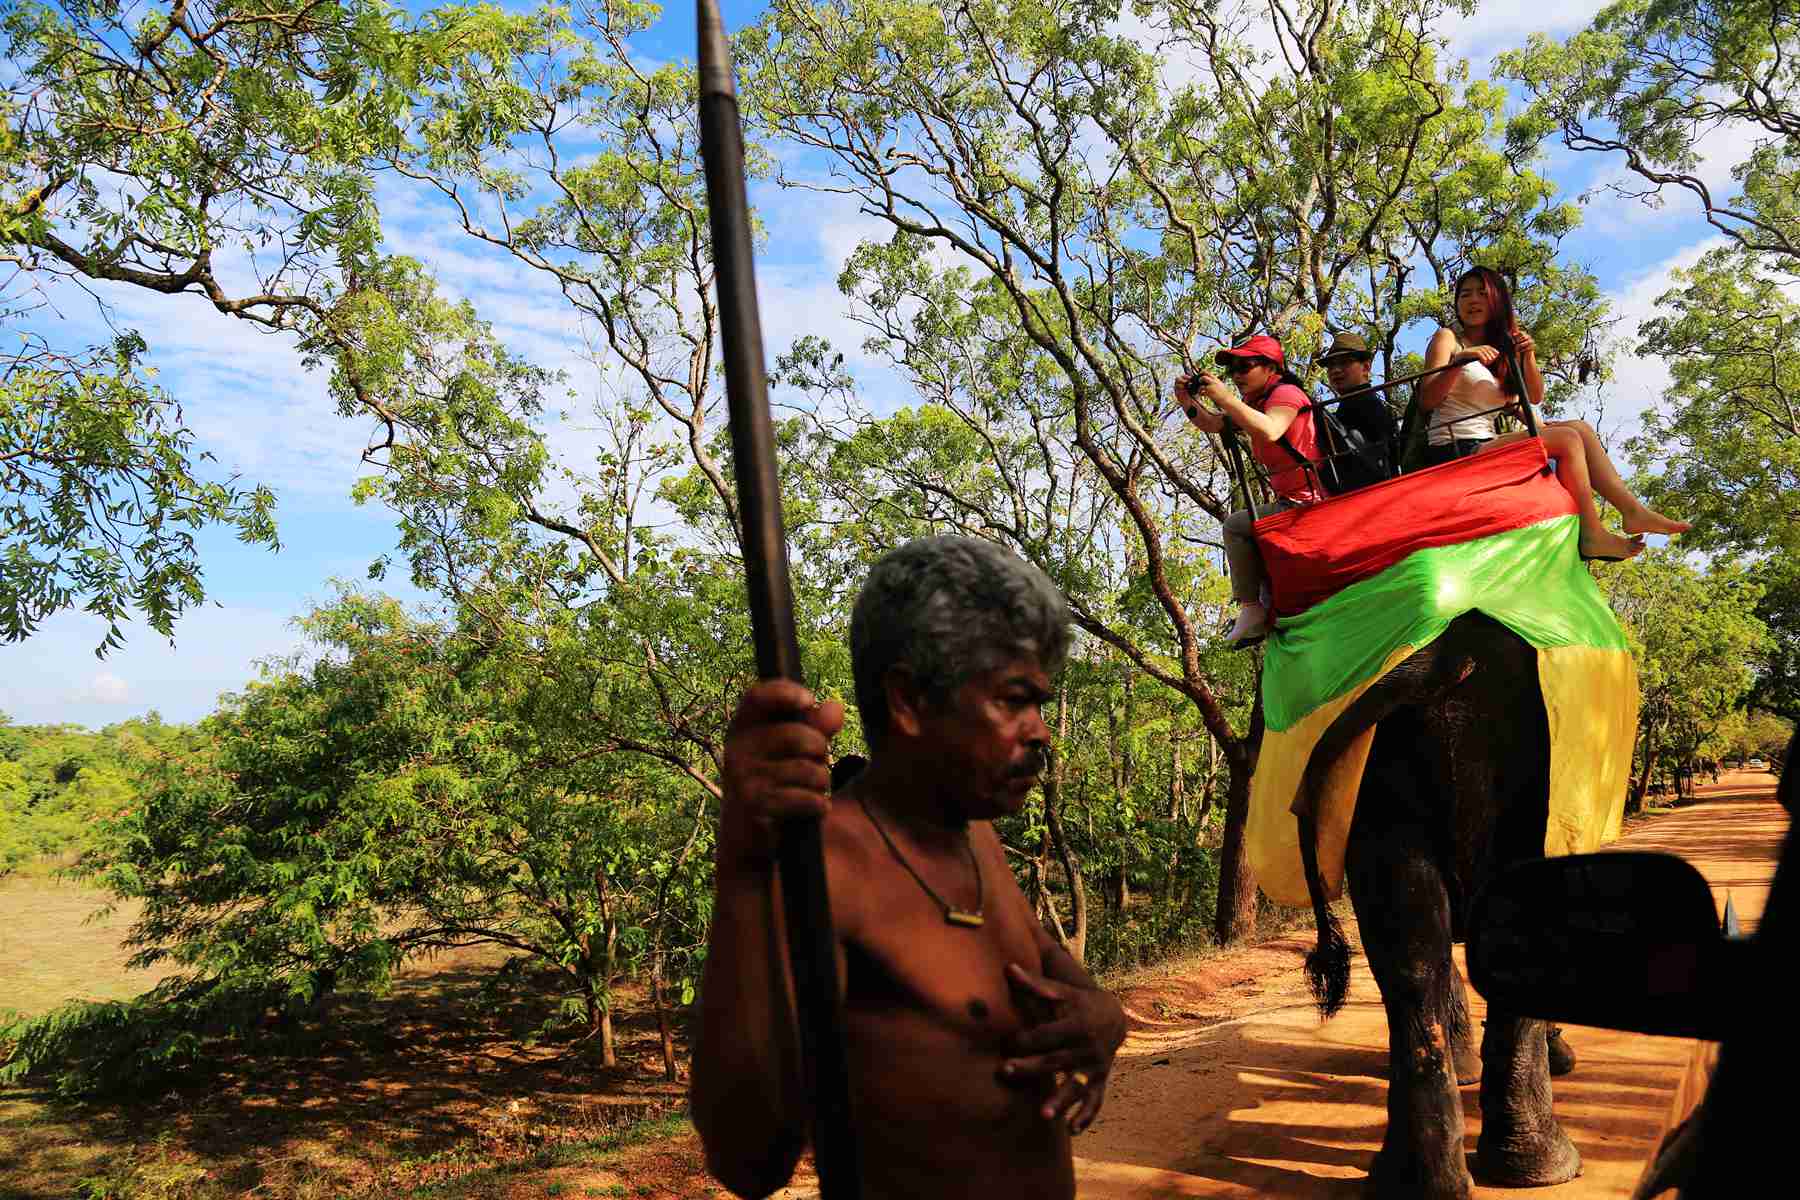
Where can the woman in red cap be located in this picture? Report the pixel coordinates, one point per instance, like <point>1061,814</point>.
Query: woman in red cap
<point>1273,409</point>
<point>1462,423</point>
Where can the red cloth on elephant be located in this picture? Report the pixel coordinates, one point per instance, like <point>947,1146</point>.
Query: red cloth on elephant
<point>1316,551</point>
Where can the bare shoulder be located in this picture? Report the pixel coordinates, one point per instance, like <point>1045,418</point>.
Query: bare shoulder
<point>849,843</point>
<point>986,840</point>
<point>992,851</point>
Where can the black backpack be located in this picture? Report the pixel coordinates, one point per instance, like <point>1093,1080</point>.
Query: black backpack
<point>1348,460</point>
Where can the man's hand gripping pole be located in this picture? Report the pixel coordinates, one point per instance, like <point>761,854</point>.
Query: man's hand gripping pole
<point>812,950</point>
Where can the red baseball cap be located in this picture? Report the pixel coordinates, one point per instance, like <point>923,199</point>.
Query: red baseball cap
<point>1260,346</point>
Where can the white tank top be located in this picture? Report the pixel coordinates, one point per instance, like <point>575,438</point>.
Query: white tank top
<point>1472,389</point>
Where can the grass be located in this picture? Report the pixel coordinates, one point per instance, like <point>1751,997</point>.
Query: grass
<point>563,1165</point>
<point>50,951</point>
<point>435,1089</point>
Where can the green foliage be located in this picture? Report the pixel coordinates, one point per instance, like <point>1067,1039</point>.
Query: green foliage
<point>1663,82</point>
<point>224,152</point>
<point>101,500</point>
<point>57,782</point>
<point>412,788</point>
<point>1721,446</point>
<point>1069,228</point>
<point>1778,673</point>
<point>1694,636</point>
<point>1726,432</point>
<point>84,1048</point>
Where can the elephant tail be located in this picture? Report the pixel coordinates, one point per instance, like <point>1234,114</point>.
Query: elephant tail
<point>1328,965</point>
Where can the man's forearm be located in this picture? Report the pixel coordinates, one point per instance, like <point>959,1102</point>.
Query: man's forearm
<point>747,1097</point>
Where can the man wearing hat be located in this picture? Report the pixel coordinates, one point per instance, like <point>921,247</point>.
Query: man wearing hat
<point>1346,365</point>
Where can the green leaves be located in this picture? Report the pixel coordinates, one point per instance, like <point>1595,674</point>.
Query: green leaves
<point>1660,83</point>
<point>1695,636</point>
<point>99,497</point>
<point>407,788</point>
<point>1725,434</point>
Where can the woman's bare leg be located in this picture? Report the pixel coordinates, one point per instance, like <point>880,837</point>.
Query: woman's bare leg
<point>1638,517</point>
<point>1564,445</point>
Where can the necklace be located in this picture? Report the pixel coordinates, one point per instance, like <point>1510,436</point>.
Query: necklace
<point>952,915</point>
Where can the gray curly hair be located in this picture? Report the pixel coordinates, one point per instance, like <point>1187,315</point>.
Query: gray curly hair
<point>947,609</point>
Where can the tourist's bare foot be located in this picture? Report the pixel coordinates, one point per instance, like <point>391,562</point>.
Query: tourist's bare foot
<point>1609,546</point>
<point>1644,519</point>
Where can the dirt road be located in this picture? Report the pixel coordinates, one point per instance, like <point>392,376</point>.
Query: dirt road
<point>1232,1086</point>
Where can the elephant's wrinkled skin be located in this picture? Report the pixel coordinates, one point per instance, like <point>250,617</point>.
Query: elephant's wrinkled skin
<point>1457,785</point>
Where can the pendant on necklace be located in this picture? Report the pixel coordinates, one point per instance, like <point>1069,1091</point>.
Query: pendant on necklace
<point>957,916</point>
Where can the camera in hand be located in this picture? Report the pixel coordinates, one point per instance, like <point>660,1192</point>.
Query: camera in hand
<point>1191,384</point>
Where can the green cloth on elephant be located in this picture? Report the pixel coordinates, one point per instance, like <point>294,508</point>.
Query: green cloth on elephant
<point>1531,580</point>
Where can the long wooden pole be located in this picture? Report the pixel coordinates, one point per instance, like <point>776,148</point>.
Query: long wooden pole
<point>812,950</point>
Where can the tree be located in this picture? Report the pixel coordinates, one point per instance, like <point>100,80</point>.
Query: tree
<point>1722,444</point>
<point>217,151</point>
<point>1777,687</point>
<point>58,782</point>
<point>411,789</point>
<point>1658,82</point>
<point>1694,636</point>
<point>1071,226</point>
<point>1726,431</point>
<point>100,497</point>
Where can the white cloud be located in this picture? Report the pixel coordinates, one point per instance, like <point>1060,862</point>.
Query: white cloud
<point>1638,381</point>
<point>50,677</point>
<point>104,688</point>
<point>1500,25</point>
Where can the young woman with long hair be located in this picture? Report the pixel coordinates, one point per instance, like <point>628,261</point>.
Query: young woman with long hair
<point>1459,404</point>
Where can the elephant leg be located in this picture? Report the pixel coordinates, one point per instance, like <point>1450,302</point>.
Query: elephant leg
<point>1403,911</point>
<point>1521,1143</point>
<point>1463,1049</point>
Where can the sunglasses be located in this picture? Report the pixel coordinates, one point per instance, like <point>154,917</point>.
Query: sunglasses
<point>1238,367</point>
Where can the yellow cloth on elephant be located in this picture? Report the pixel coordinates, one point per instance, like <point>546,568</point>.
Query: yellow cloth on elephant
<point>1591,698</point>
<point>1529,579</point>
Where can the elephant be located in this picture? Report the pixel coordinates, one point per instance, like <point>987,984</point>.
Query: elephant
<point>1456,787</point>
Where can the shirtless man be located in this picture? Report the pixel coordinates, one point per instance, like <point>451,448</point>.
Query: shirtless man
<point>976,1045</point>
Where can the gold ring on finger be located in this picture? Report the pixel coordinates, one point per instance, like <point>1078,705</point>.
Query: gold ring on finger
<point>1080,1078</point>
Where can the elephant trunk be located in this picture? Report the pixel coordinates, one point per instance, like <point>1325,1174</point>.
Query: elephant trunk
<point>1328,965</point>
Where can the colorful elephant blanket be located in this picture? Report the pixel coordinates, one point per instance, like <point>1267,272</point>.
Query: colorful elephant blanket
<point>1362,581</point>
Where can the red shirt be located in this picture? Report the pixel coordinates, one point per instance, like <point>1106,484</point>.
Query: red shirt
<point>1285,475</point>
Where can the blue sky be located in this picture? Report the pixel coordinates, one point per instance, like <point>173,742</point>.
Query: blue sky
<point>254,407</point>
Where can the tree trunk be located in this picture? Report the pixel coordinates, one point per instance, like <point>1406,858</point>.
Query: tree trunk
<point>1235,919</point>
<point>1075,942</point>
<point>1177,789</point>
<point>1634,803</point>
<point>599,1021</point>
<point>658,999</point>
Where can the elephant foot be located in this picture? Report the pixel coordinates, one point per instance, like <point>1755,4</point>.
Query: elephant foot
<point>1562,1055</point>
<point>1535,1159</point>
<point>1396,1176</point>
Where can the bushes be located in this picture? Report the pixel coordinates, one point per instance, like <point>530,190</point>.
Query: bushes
<point>88,1048</point>
<point>58,781</point>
